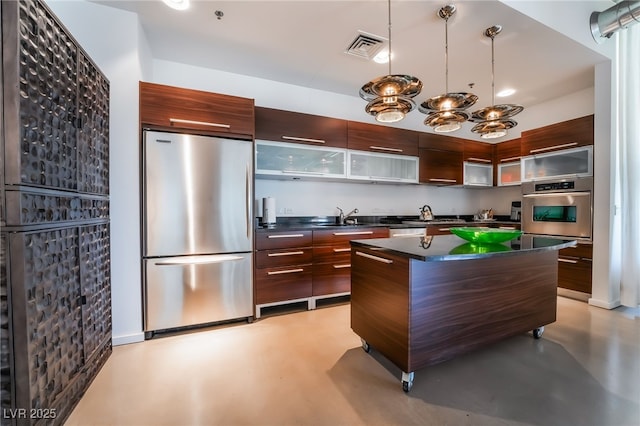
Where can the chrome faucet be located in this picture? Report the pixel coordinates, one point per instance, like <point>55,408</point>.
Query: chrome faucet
<point>342,218</point>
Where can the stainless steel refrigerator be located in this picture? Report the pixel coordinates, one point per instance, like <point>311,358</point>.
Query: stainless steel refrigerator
<point>197,230</point>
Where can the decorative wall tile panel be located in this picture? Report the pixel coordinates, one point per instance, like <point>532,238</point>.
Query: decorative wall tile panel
<point>54,317</point>
<point>93,136</point>
<point>95,272</point>
<point>32,208</point>
<point>47,81</point>
<point>5,367</point>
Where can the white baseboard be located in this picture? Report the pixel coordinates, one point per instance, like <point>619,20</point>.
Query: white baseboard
<point>603,303</point>
<point>129,338</point>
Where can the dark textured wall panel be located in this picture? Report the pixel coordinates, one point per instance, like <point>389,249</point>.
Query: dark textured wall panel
<point>54,317</point>
<point>95,272</point>
<point>32,208</point>
<point>5,367</point>
<point>93,136</point>
<point>48,104</point>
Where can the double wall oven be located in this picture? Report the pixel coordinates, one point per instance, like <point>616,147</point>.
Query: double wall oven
<point>562,207</point>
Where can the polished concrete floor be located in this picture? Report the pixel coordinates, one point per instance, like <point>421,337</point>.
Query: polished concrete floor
<point>308,368</point>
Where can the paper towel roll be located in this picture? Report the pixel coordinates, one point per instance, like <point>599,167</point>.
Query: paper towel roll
<point>268,210</point>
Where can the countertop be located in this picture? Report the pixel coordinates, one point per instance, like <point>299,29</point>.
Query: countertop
<point>452,247</point>
<point>329,223</point>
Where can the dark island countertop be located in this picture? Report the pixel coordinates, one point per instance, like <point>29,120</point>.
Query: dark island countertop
<point>452,247</point>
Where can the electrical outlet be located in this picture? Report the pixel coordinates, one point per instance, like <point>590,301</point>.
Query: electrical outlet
<point>288,210</point>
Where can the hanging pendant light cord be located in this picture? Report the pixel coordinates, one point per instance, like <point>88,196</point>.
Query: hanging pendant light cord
<point>389,14</point>
<point>446,55</point>
<point>493,84</point>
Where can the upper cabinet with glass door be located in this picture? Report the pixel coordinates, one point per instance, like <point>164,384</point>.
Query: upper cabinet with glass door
<point>508,164</point>
<point>377,167</point>
<point>293,145</point>
<point>567,162</point>
<point>283,160</point>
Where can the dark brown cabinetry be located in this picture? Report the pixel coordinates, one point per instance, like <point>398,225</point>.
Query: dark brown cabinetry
<point>55,284</point>
<point>478,152</point>
<point>383,139</point>
<point>332,257</point>
<point>288,126</point>
<point>283,267</point>
<point>175,108</point>
<point>440,159</point>
<point>305,265</point>
<point>564,135</point>
<point>575,267</point>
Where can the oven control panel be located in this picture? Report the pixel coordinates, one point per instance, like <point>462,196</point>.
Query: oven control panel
<point>555,186</point>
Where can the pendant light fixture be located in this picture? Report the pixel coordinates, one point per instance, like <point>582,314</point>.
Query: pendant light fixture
<point>447,112</point>
<point>494,121</point>
<point>389,97</point>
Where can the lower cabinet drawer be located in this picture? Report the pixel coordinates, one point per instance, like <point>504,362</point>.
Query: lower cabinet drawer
<point>283,257</point>
<point>330,278</point>
<point>574,274</point>
<point>438,230</point>
<point>332,254</point>
<point>279,284</point>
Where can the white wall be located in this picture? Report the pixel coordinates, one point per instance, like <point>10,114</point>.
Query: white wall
<point>114,39</point>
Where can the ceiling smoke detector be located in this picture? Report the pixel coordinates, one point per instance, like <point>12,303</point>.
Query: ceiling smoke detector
<point>366,45</point>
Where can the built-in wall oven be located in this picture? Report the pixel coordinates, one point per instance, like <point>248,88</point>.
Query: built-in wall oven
<point>562,207</point>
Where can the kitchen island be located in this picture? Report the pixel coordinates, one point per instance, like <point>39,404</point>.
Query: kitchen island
<point>425,299</point>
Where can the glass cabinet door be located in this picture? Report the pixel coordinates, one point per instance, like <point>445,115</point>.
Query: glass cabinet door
<point>478,174</point>
<point>509,173</point>
<point>372,166</point>
<point>568,162</point>
<point>281,159</point>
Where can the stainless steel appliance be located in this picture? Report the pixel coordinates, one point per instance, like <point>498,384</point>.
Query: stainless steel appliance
<point>516,210</point>
<point>558,208</point>
<point>197,230</point>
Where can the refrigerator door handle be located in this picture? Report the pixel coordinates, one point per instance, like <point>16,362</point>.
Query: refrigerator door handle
<point>248,199</point>
<point>197,260</point>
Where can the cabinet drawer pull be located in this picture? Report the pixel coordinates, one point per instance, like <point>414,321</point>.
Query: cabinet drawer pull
<point>286,236</point>
<point>444,229</point>
<point>295,138</point>
<point>442,180</point>
<point>353,233</point>
<point>504,160</point>
<point>287,253</point>
<point>346,265</point>
<point>507,227</point>
<point>372,257</point>
<point>384,148</point>
<point>567,260</point>
<point>201,123</point>
<point>482,160</point>
<point>341,250</point>
<point>286,271</point>
<point>549,148</point>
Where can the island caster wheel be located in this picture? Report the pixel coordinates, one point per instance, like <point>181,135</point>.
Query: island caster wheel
<point>407,381</point>
<point>365,346</point>
<point>537,332</point>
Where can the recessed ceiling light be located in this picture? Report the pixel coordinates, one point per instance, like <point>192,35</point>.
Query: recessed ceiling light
<point>382,57</point>
<point>177,4</point>
<point>505,93</point>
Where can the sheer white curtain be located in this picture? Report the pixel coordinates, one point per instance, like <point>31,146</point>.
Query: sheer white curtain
<point>627,181</point>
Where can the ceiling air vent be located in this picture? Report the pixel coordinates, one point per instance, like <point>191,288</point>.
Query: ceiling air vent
<point>366,45</point>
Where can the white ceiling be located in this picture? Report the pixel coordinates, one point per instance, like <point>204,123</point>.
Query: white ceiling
<point>303,42</point>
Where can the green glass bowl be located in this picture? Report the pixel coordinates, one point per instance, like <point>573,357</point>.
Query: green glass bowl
<point>486,235</point>
<point>479,248</point>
